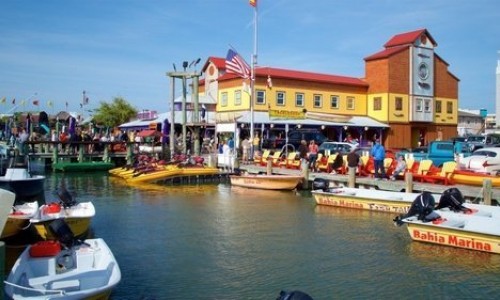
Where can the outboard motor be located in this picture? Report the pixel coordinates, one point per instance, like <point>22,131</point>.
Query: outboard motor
<point>294,295</point>
<point>66,199</point>
<point>62,232</point>
<point>453,199</point>
<point>320,184</point>
<point>422,207</point>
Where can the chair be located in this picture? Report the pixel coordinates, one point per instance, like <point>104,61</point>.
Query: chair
<point>276,158</point>
<point>443,176</point>
<point>325,164</point>
<point>320,157</point>
<point>262,159</point>
<point>288,161</point>
<point>423,167</point>
<point>389,165</point>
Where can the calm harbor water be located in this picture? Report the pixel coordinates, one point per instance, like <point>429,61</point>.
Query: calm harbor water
<point>214,241</point>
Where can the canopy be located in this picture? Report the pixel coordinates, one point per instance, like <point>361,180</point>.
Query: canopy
<point>148,133</point>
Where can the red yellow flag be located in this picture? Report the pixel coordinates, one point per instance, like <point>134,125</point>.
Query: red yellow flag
<point>253,3</point>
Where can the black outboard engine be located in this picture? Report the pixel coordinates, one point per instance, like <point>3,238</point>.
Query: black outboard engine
<point>294,295</point>
<point>453,199</point>
<point>66,199</point>
<point>62,232</point>
<point>320,184</point>
<point>422,207</point>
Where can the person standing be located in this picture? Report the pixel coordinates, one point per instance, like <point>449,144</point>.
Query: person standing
<point>353,160</point>
<point>378,153</point>
<point>313,155</point>
<point>303,150</point>
<point>245,145</point>
<point>256,144</point>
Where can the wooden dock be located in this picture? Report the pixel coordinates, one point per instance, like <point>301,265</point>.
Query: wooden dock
<point>471,193</point>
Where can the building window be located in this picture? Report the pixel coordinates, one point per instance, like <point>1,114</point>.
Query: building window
<point>427,105</point>
<point>419,104</point>
<point>449,107</point>
<point>299,99</point>
<point>237,97</point>
<point>377,103</point>
<point>261,97</point>
<point>223,99</point>
<point>318,101</point>
<point>350,103</point>
<point>280,98</point>
<point>334,102</point>
<point>398,104</point>
<point>438,106</point>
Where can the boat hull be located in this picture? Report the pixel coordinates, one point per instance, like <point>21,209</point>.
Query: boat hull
<point>79,227</point>
<point>19,220</point>
<point>426,232</point>
<point>266,182</point>
<point>169,171</point>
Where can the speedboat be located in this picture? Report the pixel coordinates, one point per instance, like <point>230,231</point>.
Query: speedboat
<point>266,182</point>
<point>64,269</point>
<point>19,218</point>
<point>78,216</point>
<point>25,185</point>
<point>451,223</point>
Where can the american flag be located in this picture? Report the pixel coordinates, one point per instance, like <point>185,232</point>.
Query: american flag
<point>236,64</point>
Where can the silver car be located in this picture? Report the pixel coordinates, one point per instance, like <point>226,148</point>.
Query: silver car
<point>483,160</point>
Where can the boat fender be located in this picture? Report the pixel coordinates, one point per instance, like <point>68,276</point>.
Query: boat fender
<point>45,249</point>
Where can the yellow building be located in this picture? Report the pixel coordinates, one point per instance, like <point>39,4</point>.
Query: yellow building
<point>407,96</point>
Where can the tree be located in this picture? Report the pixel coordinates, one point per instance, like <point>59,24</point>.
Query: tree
<point>114,114</point>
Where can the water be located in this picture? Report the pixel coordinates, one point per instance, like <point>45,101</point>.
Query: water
<point>212,241</point>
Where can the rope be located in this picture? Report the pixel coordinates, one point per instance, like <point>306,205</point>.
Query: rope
<point>60,292</point>
<point>479,196</point>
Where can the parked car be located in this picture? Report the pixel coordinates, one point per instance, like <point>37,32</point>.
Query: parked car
<point>483,160</point>
<point>327,148</point>
<point>439,152</point>
<point>481,141</point>
<point>294,137</point>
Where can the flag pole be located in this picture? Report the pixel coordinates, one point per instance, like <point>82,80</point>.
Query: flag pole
<point>252,81</point>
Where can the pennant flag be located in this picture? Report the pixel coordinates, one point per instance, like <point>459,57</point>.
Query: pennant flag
<point>23,102</point>
<point>49,103</point>
<point>36,102</point>
<point>253,3</point>
<point>3,100</point>
<point>14,101</point>
<point>269,82</point>
<point>236,64</point>
<point>86,101</point>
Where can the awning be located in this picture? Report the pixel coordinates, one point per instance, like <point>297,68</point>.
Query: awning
<point>148,133</point>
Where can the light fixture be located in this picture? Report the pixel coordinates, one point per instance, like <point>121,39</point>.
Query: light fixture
<point>322,127</point>
<point>242,125</point>
<point>366,128</point>
<point>299,125</point>
<point>272,125</point>
<point>345,127</point>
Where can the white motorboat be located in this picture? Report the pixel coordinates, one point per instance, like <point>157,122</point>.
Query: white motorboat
<point>64,269</point>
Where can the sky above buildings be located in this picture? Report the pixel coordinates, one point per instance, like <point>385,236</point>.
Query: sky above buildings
<point>53,50</point>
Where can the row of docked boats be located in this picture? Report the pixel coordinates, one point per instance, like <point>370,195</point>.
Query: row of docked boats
<point>148,169</point>
<point>444,219</point>
<point>58,265</point>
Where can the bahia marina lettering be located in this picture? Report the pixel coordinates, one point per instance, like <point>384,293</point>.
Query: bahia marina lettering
<point>452,240</point>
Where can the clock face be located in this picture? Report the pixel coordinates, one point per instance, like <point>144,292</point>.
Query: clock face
<point>423,71</point>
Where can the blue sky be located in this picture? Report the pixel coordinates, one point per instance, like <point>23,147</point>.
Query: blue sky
<point>53,50</point>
